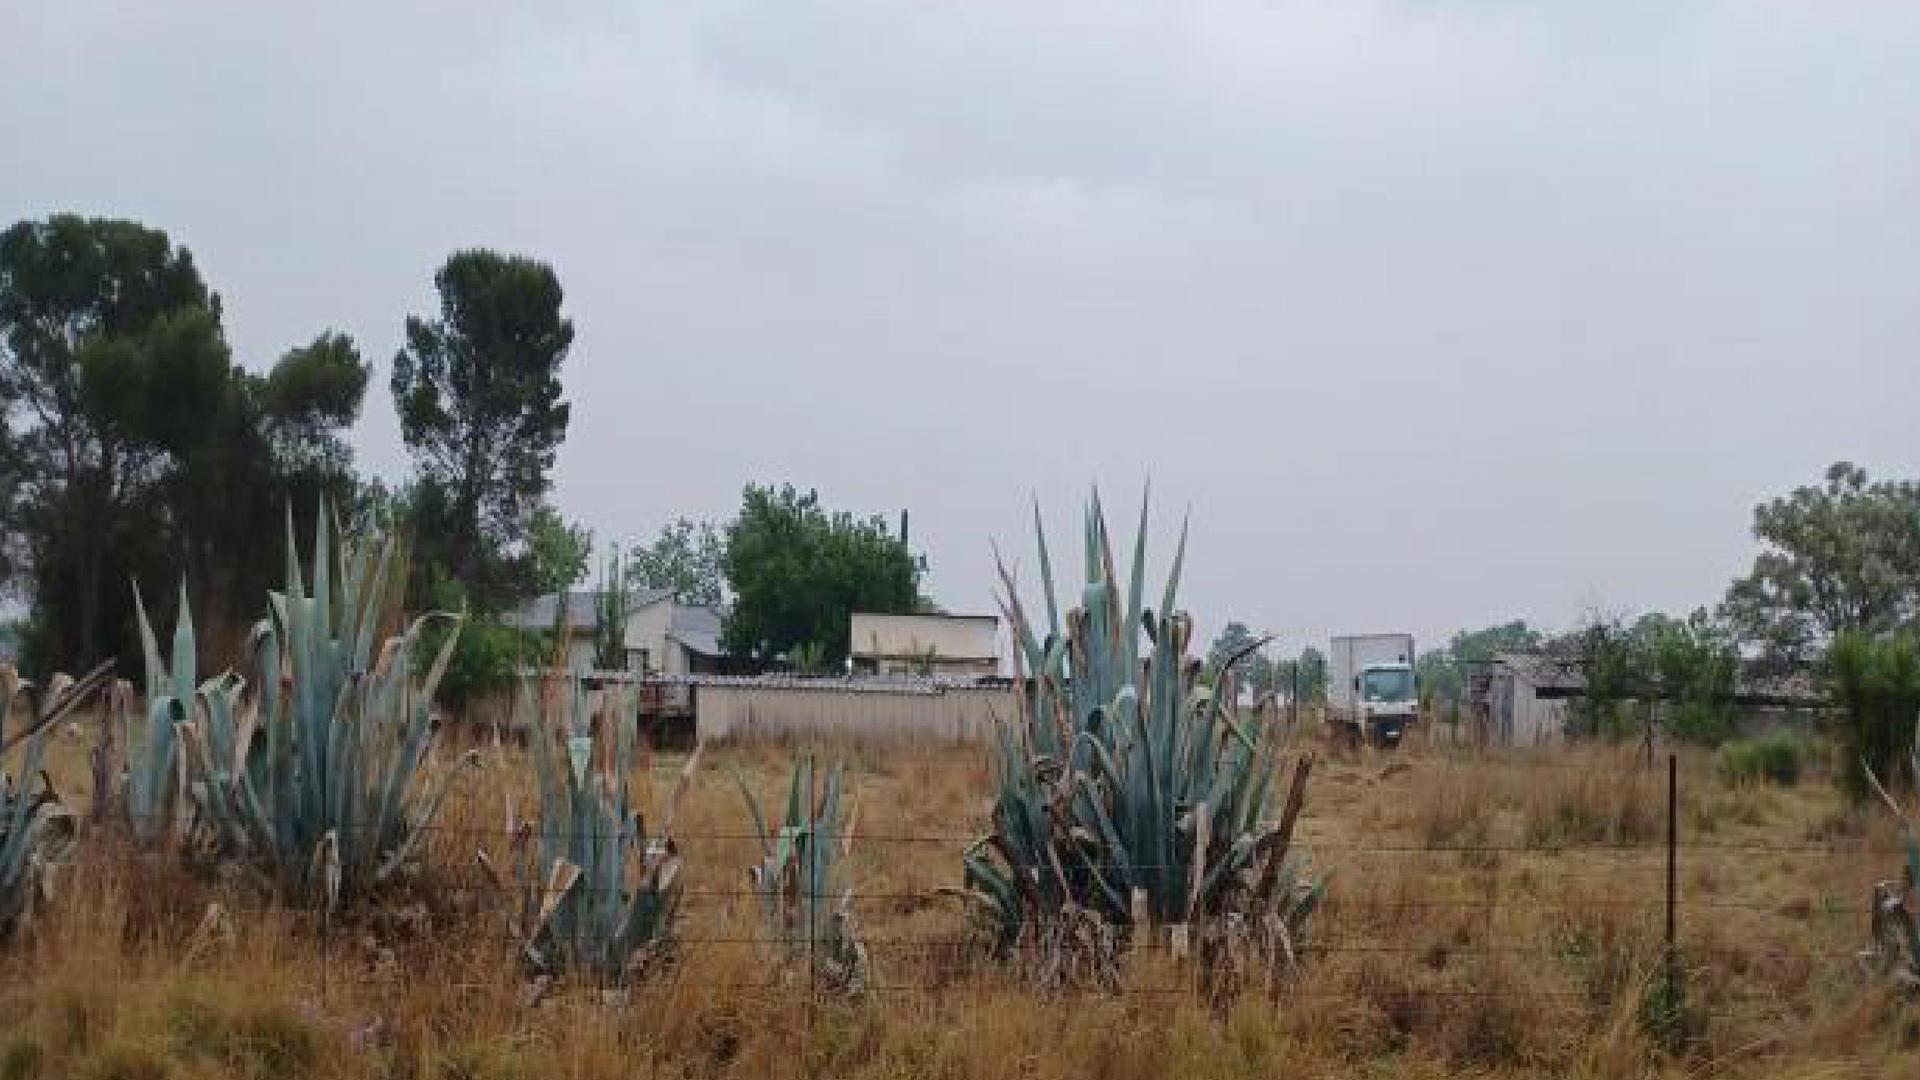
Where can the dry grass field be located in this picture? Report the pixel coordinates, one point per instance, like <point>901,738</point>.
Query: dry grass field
<point>1494,916</point>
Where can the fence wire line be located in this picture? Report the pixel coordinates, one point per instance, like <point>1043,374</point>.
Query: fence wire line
<point>1306,844</point>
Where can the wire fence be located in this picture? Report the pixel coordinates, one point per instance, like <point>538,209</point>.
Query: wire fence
<point>1439,910</point>
<point>1411,931</point>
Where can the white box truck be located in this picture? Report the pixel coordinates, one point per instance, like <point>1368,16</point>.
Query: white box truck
<point>1370,686</point>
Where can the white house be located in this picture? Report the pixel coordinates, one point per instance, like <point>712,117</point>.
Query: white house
<point>666,637</point>
<point>662,635</point>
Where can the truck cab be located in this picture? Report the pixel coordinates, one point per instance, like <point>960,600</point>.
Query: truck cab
<point>1370,691</point>
<point>1387,701</point>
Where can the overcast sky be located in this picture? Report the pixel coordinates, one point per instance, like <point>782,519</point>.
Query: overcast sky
<point>1433,315</point>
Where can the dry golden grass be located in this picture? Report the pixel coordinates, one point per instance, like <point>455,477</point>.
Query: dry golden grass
<point>1494,915</point>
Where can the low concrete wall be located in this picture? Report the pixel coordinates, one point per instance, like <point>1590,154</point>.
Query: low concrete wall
<point>877,710</point>
<point>716,708</point>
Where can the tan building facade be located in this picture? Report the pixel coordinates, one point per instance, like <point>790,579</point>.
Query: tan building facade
<point>951,645</point>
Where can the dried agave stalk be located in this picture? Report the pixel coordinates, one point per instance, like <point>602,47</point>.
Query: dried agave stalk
<point>37,832</point>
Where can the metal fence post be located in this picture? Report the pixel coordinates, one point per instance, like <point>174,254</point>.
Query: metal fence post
<point>813,903</point>
<point>1673,869</point>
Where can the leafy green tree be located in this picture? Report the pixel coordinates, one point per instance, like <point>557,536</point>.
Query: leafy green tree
<point>1313,674</point>
<point>687,559</point>
<point>798,573</point>
<point>1876,681</point>
<point>1441,673</point>
<point>1254,671</point>
<point>87,306</point>
<point>1694,666</point>
<point>1439,680</point>
<point>478,391</point>
<point>557,551</point>
<point>137,448</point>
<point>610,617</point>
<point>308,398</point>
<point>1305,675</point>
<point>1690,666</point>
<point>1613,669</point>
<point>1841,556</point>
<point>487,655</point>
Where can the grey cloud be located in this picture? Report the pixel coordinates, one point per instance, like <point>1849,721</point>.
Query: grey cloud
<point>1433,315</point>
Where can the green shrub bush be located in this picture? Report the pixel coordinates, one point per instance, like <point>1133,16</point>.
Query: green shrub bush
<point>1876,681</point>
<point>1780,758</point>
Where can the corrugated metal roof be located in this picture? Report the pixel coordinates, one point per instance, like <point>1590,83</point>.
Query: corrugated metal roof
<point>1559,668</point>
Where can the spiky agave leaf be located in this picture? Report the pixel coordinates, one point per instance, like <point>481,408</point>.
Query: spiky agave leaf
<point>36,830</point>
<point>317,778</point>
<point>594,894</point>
<point>800,875</point>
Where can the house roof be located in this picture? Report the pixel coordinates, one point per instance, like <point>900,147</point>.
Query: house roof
<point>697,628</point>
<point>582,609</point>
<point>1557,671</point>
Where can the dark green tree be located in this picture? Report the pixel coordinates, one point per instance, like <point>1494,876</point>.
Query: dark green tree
<point>1253,671</point>
<point>1841,556</point>
<point>308,398</point>
<point>556,552</point>
<point>139,449</point>
<point>1876,681</point>
<point>478,391</point>
<point>798,573</point>
<point>1441,673</point>
<point>1690,667</point>
<point>1304,675</point>
<point>610,610</point>
<point>1693,665</point>
<point>687,559</point>
<point>87,308</point>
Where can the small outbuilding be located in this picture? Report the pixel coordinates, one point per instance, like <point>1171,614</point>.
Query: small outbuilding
<point>925,645</point>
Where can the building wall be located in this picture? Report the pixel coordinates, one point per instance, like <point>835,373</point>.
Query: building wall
<point>835,709</point>
<point>580,652</point>
<point>962,646</point>
<point>1538,721</point>
<point>1520,716</point>
<point>647,630</point>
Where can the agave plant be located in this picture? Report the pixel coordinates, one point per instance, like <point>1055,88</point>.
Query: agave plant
<point>1130,798</point>
<point>797,878</point>
<point>315,780</point>
<point>1893,951</point>
<point>36,830</point>
<point>153,767</point>
<point>591,893</point>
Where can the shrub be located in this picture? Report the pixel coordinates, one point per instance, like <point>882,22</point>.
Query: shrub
<point>1876,680</point>
<point>1775,759</point>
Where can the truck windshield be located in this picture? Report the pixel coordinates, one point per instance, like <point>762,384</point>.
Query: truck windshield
<point>1391,684</point>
